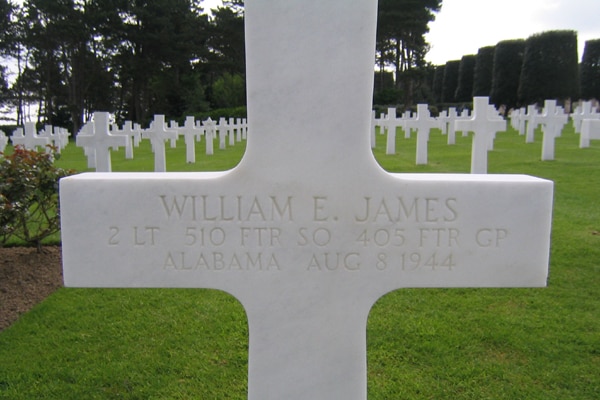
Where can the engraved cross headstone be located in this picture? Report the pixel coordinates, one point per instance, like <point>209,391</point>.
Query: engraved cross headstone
<point>305,233</point>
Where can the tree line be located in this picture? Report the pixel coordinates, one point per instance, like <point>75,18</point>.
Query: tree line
<point>133,58</point>
<point>139,58</point>
<point>515,73</point>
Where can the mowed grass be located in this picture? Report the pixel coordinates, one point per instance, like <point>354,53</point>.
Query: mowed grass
<point>422,343</point>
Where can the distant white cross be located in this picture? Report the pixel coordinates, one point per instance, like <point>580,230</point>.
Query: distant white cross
<point>29,139</point>
<point>100,141</point>
<point>423,123</point>
<point>191,134</point>
<point>484,127</point>
<point>553,119</point>
<point>210,127</point>
<point>158,134</point>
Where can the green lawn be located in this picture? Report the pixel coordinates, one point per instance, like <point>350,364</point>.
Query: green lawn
<point>422,343</point>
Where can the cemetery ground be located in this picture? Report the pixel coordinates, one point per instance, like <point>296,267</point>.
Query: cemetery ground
<point>422,343</point>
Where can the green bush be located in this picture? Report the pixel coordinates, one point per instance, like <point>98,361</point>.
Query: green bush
<point>29,196</point>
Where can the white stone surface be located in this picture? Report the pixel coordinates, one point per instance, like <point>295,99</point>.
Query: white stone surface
<point>374,124</point>
<point>308,231</point>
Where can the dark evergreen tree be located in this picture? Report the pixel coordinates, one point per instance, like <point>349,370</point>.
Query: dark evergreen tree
<point>508,61</point>
<point>160,43</point>
<point>550,67</point>
<point>438,82</point>
<point>401,29</point>
<point>7,10</point>
<point>590,70</point>
<point>466,72</point>
<point>6,45</point>
<point>450,81</point>
<point>484,66</point>
<point>226,41</point>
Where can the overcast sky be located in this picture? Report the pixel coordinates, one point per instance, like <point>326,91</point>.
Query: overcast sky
<point>463,26</point>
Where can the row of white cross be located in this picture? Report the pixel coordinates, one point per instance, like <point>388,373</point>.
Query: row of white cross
<point>586,121</point>
<point>485,122</point>
<point>28,137</point>
<point>97,137</point>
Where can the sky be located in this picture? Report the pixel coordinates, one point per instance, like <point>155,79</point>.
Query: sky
<point>463,26</point>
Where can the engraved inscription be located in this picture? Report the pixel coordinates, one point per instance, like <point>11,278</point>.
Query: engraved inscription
<point>269,233</point>
<point>217,261</point>
<point>400,209</point>
<point>227,208</point>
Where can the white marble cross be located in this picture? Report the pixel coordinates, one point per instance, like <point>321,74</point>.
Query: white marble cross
<point>210,128</point>
<point>423,123</point>
<point>308,231</point>
<point>48,132</point>
<point>29,139</point>
<point>223,129</point>
<point>134,136</point>
<point>191,134</point>
<point>231,128</point>
<point>530,119</point>
<point>158,134</point>
<point>100,141</point>
<point>484,127</point>
<point>552,119</point>
<point>453,116</point>
<point>583,111</point>
<point>63,137</point>
<point>390,124</point>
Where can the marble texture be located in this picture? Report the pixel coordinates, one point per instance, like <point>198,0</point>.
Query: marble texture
<point>308,231</point>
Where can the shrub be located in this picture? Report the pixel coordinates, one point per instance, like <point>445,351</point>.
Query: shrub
<point>29,196</point>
